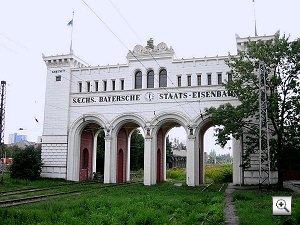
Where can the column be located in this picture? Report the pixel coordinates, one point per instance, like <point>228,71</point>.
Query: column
<point>95,153</point>
<point>236,168</point>
<point>128,159</point>
<point>192,162</point>
<point>107,161</point>
<point>148,162</point>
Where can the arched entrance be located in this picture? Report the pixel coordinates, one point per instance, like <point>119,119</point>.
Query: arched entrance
<point>166,123</point>
<point>125,145</point>
<point>88,151</point>
<point>210,145</point>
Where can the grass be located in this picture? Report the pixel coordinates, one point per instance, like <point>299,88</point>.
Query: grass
<point>13,184</point>
<point>177,174</point>
<point>218,173</point>
<point>255,207</point>
<point>213,174</point>
<point>138,204</point>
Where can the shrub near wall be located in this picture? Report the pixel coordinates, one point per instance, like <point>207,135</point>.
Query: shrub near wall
<point>27,163</point>
<point>218,173</point>
<point>178,174</point>
<point>213,174</point>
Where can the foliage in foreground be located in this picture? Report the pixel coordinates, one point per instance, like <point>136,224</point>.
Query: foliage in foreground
<point>279,58</point>
<point>219,173</point>
<point>160,204</point>
<point>16,183</point>
<point>213,174</point>
<point>27,163</point>
<point>256,208</point>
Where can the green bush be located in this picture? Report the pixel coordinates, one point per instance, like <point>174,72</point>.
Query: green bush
<point>218,173</point>
<point>27,164</point>
<point>177,174</point>
<point>213,174</point>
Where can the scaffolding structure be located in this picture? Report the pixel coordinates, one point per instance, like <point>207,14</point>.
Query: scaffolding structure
<point>2,111</point>
<point>2,122</point>
<point>264,145</point>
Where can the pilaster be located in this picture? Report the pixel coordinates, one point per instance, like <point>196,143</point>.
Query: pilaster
<point>192,162</point>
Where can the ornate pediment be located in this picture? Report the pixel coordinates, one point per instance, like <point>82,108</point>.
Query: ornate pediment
<point>150,50</point>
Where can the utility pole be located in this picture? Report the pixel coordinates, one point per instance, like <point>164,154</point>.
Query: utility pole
<point>2,121</point>
<point>264,146</point>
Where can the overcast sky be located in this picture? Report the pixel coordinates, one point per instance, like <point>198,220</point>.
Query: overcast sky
<point>194,28</point>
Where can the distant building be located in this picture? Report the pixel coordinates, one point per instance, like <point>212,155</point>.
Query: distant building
<point>179,158</point>
<point>15,138</point>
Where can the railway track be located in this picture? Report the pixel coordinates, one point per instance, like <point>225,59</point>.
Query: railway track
<point>28,190</point>
<point>78,189</point>
<point>210,185</point>
<point>43,197</point>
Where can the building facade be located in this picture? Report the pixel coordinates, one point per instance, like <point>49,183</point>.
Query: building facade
<point>15,138</point>
<point>152,91</point>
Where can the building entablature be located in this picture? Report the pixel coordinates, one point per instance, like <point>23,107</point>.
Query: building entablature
<point>69,60</point>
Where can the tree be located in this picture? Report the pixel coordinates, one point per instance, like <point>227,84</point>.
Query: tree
<point>27,163</point>
<point>150,44</point>
<point>169,152</point>
<point>100,152</point>
<point>136,150</point>
<point>281,61</point>
<point>212,157</point>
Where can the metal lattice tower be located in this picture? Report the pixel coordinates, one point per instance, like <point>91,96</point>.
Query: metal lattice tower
<point>2,111</point>
<point>2,120</point>
<point>264,146</point>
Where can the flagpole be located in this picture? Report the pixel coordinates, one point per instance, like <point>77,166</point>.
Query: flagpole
<point>255,29</point>
<point>71,50</point>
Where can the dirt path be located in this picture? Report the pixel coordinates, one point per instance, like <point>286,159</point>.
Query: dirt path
<point>231,217</point>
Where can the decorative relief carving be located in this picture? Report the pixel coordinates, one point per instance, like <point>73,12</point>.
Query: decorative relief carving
<point>140,50</point>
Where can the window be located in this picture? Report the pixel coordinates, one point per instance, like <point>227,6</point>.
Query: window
<point>138,80</point>
<point>229,75</point>
<point>163,78</point>
<point>122,84</point>
<point>209,79</point>
<point>150,79</point>
<point>58,78</point>
<point>199,79</point>
<point>113,85</point>
<point>88,86</point>
<point>104,85</point>
<point>79,86</point>
<point>179,81</point>
<point>219,78</point>
<point>189,80</point>
<point>96,86</point>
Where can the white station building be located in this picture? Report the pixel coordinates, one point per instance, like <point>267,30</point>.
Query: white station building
<point>152,91</point>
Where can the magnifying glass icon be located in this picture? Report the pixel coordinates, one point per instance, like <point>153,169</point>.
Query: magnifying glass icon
<point>281,204</point>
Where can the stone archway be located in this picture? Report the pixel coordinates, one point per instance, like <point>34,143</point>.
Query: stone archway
<point>203,127</point>
<point>121,135</point>
<point>83,135</point>
<point>162,125</point>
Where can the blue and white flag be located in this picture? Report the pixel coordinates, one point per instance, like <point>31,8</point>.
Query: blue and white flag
<point>70,23</point>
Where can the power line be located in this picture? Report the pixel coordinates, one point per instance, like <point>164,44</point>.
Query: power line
<point>135,33</point>
<point>127,48</point>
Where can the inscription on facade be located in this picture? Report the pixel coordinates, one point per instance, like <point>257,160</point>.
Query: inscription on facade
<point>150,96</point>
